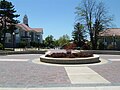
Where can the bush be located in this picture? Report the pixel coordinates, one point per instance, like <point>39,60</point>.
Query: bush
<point>22,44</point>
<point>70,46</point>
<point>34,44</point>
<point>110,47</point>
<point>86,46</point>
<point>101,46</point>
<point>1,46</point>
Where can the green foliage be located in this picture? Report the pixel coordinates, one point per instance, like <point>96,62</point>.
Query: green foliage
<point>34,44</point>
<point>1,46</point>
<point>49,41</point>
<point>110,47</point>
<point>22,44</point>
<point>64,40</point>
<point>56,43</point>
<point>78,34</point>
<point>7,21</point>
<point>70,46</point>
<point>7,11</point>
<point>86,46</point>
<point>101,46</point>
<point>42,45</point>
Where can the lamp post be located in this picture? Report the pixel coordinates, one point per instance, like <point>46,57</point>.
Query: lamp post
<point>13,40</point>
<point>105,37</point>
<point>114,43</point>
<point>38,43</point>
<point>104,42</point>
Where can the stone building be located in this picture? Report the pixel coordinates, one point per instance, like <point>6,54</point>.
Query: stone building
<point>24,33</point>
<point>110,38</point>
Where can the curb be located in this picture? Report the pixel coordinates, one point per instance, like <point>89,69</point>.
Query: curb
<point>21,52</point>
<point>110,52</point>
<point>43,52</point>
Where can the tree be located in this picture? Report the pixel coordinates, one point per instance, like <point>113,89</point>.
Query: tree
<point>56,43</point>
<point>49,41</point>
<point>102,20</point>
<point>63,40</point>
<point>7,18</point>
<point>78,34</point>
<point>94,16</point>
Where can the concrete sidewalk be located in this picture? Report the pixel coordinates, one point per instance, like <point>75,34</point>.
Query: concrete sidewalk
<point>68,88</point>
<point>84,75</point>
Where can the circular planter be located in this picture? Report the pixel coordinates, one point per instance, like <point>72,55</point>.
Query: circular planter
<point>86,60</point>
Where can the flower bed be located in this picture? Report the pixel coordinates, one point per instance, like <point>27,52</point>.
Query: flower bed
<point>70,55</point>
<point>70,58</point>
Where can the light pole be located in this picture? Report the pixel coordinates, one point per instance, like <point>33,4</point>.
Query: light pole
<point>114,41</point>
<point>38,43</point>
<point>104,42</point>
<point>13,40</point>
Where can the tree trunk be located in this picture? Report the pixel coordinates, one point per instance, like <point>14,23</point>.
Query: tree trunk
<point>91,39</point>
<point>95,42</point>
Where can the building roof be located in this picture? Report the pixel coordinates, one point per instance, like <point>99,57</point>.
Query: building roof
<point>110,32</point>
<point>26,28</point>
<point>37,29</point>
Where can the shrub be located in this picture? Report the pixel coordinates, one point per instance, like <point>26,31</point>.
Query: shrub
<point>110,47</point>
<point>1,46</point>
<point>70,46</point>
<point>22,44</point>
<point>86,47</point>
<point>34,44</point>
<point>101,46</point>
<point>72,55</point>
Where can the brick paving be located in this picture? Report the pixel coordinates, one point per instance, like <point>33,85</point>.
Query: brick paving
<point>110,71</point>
<point>28,74</point>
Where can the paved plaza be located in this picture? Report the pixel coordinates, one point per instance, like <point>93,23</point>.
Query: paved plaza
<point>21,73</point>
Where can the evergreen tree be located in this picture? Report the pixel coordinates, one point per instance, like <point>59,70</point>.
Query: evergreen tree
<point>78,34</point>
<point>64,40</point>
<point>49,41</point>
<point>7,18</point>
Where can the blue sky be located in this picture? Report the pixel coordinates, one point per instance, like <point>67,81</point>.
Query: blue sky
<point>57,17</point>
